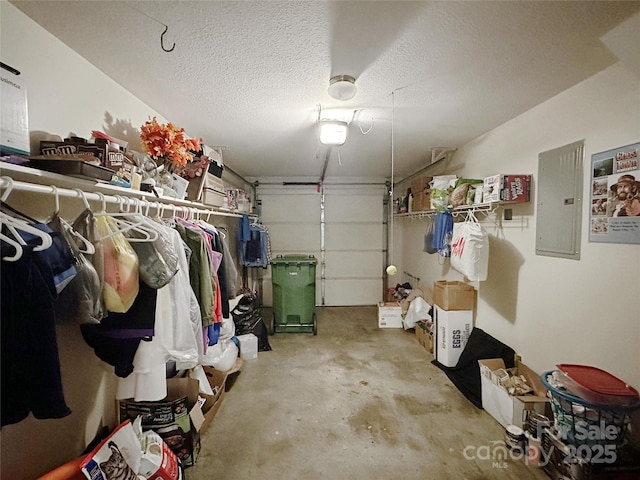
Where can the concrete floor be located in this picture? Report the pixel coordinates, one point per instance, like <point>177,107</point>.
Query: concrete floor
<point>353,402</point>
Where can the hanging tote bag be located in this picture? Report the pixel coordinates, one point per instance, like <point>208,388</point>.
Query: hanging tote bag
<point>442,229</point>
<point>470,249</point>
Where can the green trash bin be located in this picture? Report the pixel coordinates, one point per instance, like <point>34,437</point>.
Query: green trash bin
<point>294,293</point>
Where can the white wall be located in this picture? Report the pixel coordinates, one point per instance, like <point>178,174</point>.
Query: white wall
<point>65,94</point>
<point>552,310</point>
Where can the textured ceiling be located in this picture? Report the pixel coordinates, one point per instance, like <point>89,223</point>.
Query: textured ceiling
<point>251,75</point>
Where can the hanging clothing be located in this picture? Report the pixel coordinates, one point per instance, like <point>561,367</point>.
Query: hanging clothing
<point>220,266</point>
<point>116,339</point>
<point>254,247</point>
<point>178,335</point>
<point>200,275</point>
<point>31,379</point>
<point>231,272</point>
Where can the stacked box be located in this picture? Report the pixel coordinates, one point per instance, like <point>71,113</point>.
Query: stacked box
<point>453,329</point>
<point>454,295</point>
<point>454,303</point>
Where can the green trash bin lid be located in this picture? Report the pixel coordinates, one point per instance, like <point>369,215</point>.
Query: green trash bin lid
<point>294,259</point>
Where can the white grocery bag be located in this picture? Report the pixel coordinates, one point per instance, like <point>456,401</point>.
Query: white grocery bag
<point>470,249</point>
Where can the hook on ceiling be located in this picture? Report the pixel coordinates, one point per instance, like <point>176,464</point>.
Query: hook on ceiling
<point>166,29</point>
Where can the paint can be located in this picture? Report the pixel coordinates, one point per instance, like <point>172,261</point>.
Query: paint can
<point>514,438</point>
<point>534,446</point>
<point>536,424</point>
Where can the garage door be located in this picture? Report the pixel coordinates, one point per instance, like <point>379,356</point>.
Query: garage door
<point>345,232</point>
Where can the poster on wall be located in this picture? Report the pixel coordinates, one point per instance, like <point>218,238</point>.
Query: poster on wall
<point>615,196</point>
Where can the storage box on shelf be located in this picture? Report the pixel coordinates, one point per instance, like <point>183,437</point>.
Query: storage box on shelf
<point>213,191</point>
<point>507,188</point>
<point>420,192</point>
<point>237,200</point>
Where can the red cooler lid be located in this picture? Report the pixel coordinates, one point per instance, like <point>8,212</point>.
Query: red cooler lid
<point>597,380</point>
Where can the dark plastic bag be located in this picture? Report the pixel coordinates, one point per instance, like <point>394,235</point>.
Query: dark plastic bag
<point>248,319</point>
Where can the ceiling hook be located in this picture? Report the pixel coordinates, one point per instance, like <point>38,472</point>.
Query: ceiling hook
<point>166,29</point>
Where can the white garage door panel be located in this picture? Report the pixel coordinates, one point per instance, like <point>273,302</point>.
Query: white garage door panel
<point>364,208</point>
<point>284,208</point>
<point>353,265</point>
<point>289,238</point>
<point>354,236</point>
<point>352,292</point>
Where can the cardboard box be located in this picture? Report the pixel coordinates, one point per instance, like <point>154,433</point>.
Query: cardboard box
<point>454,295</point>
<point>389,315</point>
<point>496,400</point>
<point>453,328</point>
<point>248,346</point>
<point>515,188</point>
<point>491,189</point>
<point>211,404</point>
<point>420,185</point>
<point>506,188</point>
<point>424,336</point>
<point>173,418</point>
<point>421,202</point>
<point>71,148</point>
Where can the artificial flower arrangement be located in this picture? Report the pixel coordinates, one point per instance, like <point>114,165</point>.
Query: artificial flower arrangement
<point>167,144</point>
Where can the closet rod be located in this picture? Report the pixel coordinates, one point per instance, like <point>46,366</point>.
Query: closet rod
<point>9,185</point>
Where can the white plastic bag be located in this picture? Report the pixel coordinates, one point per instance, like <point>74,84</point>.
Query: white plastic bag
<point>470,249</point>
<point>441,187</point>
<point>120,267</point>
<point>221,356</point>
<point>418,310</point>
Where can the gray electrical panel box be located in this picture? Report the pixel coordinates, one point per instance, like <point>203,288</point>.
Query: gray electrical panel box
<point>559,201</point>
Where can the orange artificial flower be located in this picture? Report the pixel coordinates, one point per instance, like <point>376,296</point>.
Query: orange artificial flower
<point>168,141</point>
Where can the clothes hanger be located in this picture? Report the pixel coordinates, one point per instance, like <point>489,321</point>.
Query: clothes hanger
<point>16,245</point>
<point>83,245</point>
<point>125,221</point>
<point>14,224</point>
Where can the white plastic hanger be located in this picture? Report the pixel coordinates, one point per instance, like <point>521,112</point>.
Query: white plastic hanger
<point>16,245</point>
<point>125,221</point>
<point>14,224</point>
<point>84,245</point>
